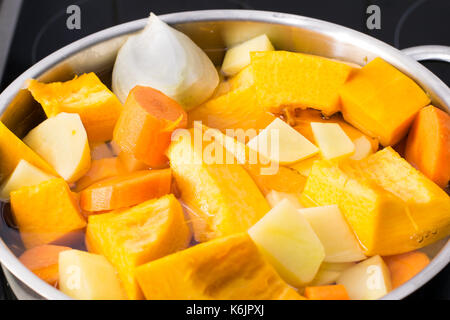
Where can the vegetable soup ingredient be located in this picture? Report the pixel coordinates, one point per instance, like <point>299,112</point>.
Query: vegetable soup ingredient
<point>223,197</point>
<point>367,280</point>
<point>337,238</point>
<point>405,266</point>
<point>428,145</point>
<point>238,57</point>
<point>289,243</point>
<point>167,60</point>
<point>391,207</point>
<point>13,150</point>
<point>88,276</point>
<point>275,197</point>
<point>138,235</point>
<point>100,169</point>
<point>329,272</point>
<point>126,190</point>
<point>130,163</point>
<point>281,143</point>
<point>24,175</point>
<point>332,140</point>
<point>363,148</point>
<point>85,95</point>
<point>62,141</point>
<point>146,124</point>
<point>381,101</point>
<point>43,262</point>
<point>45,212</point>
<point>284,78</point>
<point>333,292</point>
<point>225,268</point>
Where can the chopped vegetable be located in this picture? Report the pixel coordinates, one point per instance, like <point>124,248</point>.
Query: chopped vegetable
<point>334,292</point>
<point>126,190</point>
<point>405,266</point>
<point>100,169</point>
<point>333,142</point>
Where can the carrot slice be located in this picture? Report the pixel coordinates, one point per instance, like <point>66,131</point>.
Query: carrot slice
<point>130,163</point>
<point>126,190</point>
<point>405,266</point>
<point>428,145</point>
<point>43,262</point>
<point>333,292</point>
<point>100,169</point>
<point>146,124</point>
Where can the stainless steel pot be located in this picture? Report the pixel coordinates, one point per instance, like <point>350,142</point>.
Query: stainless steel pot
<point>214,30</point>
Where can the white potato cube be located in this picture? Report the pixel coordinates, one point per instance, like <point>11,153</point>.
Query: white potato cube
<point>275,197</point>
<point>238,57</point>
<point>329,272</point>
<point>363,148</point>
<point>333,142</point>
<point>334,233</point>
<point>88,276</point>
<point>289,243</point>
<point>367,280</point>
<point>281,143</point>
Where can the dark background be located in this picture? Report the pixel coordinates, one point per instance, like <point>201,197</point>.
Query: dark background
<point>41,29</point>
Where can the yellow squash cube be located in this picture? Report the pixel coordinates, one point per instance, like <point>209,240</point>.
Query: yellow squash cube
<point>138,235</point>
<point>225,268</point>
<point>381,101</point>
<point>223,197</point>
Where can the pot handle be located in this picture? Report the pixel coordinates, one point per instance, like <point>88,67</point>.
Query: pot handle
<point>436,53</point>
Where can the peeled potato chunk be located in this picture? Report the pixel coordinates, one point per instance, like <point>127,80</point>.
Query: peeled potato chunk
<point>238,57</point>
<point>24,175</point>
<point>87,276</point>
<point>367,280</point>
<point>62,142</point>
<point>281,143</point>
<point>332,140</point>
<point>289,243</point>
<point>225,268</point>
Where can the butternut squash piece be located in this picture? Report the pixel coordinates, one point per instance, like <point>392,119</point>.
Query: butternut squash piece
<point>43,262</point>
<point>86,95</point>
<point>428,145</point>
<point>390,206</point>
<point>224,198</point>
<point>13,150</point>
<point>237,109</point>
<point>45,212</point>
<point>146,124</point>
<point>138,235</point>
<point>373,92</point>
<point>100,169</point>
<point>130,163</point>
<point>284,78</point>
<point>405,266</point>
<point>126,190</point>
<point>225,268</point>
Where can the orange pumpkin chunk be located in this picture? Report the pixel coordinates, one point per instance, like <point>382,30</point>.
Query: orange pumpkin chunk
<point>126,190</point>
<point>86,95</point>
<point>138,235</point>
<point>381,101</point>
<point>43,262</point>
<point>146,124</point>
<point>428,145</point>
<point>333,292</point>
<point>224,268</point>
<point>45,212</point>
<point>12,150</point>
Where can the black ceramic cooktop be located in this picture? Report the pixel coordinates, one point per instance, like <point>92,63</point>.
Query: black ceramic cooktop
<point>41,29</point>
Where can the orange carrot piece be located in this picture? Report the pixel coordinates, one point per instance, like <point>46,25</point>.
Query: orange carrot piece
<point>405,266</point>
<point>130,163</point>
<point>333,292</point>
<point>126,190</point>
<point>146,124</point>
<point>428,145</point>
<point>43,262</point>
<point>100,169</point>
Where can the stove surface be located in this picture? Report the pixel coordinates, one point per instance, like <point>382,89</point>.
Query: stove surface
<point>41,29</point>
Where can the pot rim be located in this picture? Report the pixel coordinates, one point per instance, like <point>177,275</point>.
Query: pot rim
<point>430,82</point>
